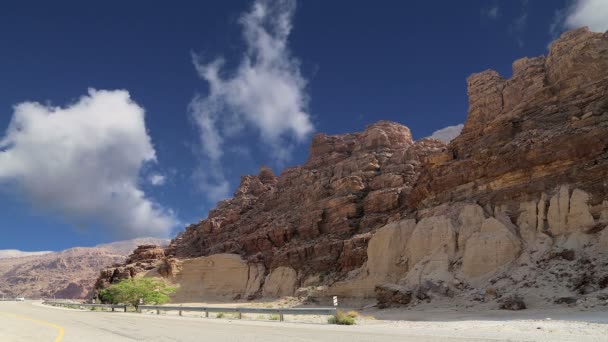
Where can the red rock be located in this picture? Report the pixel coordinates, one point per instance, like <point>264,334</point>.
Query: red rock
<point>545,126</point>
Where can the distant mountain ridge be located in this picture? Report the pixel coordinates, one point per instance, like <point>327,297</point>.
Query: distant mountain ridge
<point>15,253</point>
<point>70,273</point>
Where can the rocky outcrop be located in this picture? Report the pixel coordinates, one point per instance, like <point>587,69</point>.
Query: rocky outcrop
<point>543,127</point>
<point>280,282</point>
<point>71,273</point>
<point>376,213</point>
<point>144,258</point>
<point>391,294</point>
<point>318,217</point>
<point>491,247</point>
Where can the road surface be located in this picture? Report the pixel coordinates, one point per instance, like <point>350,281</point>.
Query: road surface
<point>31,321</point>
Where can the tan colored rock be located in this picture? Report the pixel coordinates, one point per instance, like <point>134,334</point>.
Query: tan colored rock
<point>579,217</point>
<point>471,218</point>
<point>433,268</point>
<point>255,278</point>
<point>485,98</point>
<point>280,282</point>
<point>386,261</point>
<point>569,213</point>
<point>354,288</point>
<point>528,220</point>
<point>431,234</point>
<point>387,251</point>
<point>218,276</point>
<point>541,207</point>
<point>557,215</point>
<point>493,246</point>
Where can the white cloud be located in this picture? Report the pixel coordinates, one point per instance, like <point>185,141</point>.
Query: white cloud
<point>591,13</point>
<point>157,179</point>
<point>83,161</point>
<point>491,12</point>
<point>447,134</point>
<point>265,94</point>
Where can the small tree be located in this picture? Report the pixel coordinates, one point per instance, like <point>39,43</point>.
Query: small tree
<point>130,291</point>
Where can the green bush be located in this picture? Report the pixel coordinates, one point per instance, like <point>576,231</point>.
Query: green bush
<point>274,317</point>
<point>130,291</point>
<point>341,318</point>
<point>220,315</point>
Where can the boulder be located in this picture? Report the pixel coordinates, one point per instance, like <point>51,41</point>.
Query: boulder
<point>514,303</point>
<point>389,295</point>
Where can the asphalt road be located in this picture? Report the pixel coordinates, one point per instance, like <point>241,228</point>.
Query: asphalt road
<point>32,321</point>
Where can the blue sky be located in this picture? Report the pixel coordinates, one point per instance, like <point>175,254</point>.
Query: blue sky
<point>289,71</point>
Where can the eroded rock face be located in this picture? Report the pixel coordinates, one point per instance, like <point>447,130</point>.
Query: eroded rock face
<point>219,276</point>
<point>545,126</point>
<point>280,282</point>
<point>494,245</point>
<point>431,235</point>
<point>144,258</point>
<point>317,217</point>
<point>525,178</point>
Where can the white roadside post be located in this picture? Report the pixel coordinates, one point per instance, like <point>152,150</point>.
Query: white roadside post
<point>336,305</point>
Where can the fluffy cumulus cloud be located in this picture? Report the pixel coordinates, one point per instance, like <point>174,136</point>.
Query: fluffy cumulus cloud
<point>265,94</point>
<point>83,162</point>
<point>447,134</point>
<point>592,13</point>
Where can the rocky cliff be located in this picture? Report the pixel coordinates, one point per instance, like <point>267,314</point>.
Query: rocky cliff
<point>67,274</point>
<point>516,205</point>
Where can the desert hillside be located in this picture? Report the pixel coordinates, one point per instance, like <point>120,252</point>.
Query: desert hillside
<point>515,208</point>
<point>67,274</point>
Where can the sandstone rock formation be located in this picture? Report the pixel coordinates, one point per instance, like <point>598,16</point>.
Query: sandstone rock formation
<point>484,218</point>
<point>67,274</point>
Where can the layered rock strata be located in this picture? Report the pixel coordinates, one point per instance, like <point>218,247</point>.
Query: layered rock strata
<point>377,213</point>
